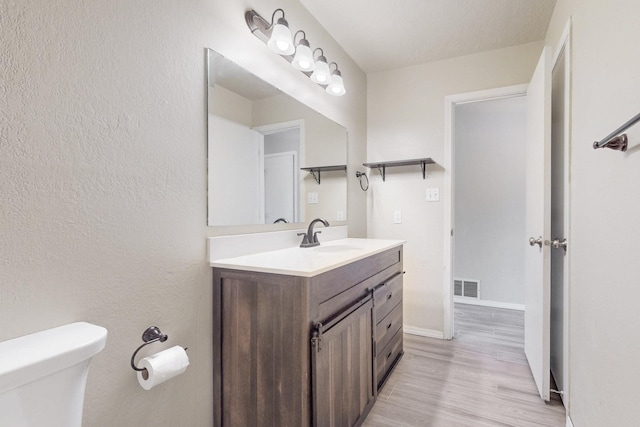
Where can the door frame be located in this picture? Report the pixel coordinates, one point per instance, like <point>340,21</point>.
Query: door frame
<point>281,127</point>
<point>450,102</point>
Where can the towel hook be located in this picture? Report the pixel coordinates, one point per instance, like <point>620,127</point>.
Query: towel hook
<point>150,335</point>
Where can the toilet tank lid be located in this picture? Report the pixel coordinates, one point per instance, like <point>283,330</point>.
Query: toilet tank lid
<point>33,356</point>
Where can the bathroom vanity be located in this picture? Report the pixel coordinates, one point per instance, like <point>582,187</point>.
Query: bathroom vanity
<point>306,336</point>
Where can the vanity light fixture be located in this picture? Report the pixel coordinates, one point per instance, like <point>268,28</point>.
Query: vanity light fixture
<point>336,87</point>
<point>303,59</point>
<point>278,39</point>
<point>321,74</point>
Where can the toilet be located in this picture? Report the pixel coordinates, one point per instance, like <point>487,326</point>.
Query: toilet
<point>43,375</point>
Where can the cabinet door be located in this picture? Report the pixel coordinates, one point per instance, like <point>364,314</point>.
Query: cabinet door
<point>265,353</point>
<point>343,370</point>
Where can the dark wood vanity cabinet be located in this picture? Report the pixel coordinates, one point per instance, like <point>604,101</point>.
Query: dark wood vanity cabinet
<point>305,351</point>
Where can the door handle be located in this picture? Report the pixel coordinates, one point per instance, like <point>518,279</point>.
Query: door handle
<point>557,244</point>
<point>533,241</point>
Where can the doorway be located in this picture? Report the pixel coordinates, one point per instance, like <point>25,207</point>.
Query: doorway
<point>281,176</point>
<point>489,202</point>
<point>451,103</point>
<point>549,85</point>
<point>282,148</point>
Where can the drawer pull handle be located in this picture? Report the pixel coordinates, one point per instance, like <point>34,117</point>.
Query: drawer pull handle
<point>389,355</point>
<point>389,325</point>
<point>389,296</point>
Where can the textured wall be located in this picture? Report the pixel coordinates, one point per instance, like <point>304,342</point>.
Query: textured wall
<point>489,197</point>
<point>405,110</point>
<point>604,341</point>
<point>103,179</point>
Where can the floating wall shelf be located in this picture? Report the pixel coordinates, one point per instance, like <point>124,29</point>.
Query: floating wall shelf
<point>315,171</point>
<point>382,166</point>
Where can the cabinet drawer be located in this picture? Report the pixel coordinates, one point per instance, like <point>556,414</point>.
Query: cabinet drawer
<point>386,359</point>
<point>352,292</point>
<point>387,296</point>
<point>375,268</point>
<point>387,327</point>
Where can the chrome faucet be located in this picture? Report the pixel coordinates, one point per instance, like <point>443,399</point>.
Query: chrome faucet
<point>310,238</point>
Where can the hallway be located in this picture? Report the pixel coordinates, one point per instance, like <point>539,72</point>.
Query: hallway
<point>480,378</point>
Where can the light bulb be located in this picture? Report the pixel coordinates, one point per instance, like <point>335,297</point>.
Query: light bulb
<point>303,60</point>
<point>321,74</point>
<point>280,41</point>
<point>336,87</point>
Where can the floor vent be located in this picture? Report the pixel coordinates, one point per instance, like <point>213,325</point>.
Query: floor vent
<point>466,288</point>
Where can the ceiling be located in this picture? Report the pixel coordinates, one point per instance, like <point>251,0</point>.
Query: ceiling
<point>386,34</point>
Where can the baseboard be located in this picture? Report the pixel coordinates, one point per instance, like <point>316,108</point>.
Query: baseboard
<point>487,303</point>
<point>569,422</point>
<point>429,333</point>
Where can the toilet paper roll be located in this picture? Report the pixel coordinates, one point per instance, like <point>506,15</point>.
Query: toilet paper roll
<point>162,366</point>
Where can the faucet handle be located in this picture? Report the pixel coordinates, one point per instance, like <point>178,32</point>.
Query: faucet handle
<point>305,239</point>
<point>315,236</point>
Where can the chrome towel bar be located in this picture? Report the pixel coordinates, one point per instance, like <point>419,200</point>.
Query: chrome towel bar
<point>614,140</point>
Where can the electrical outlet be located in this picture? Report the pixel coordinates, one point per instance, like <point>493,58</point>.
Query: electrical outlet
<point>433,194</point>
<point>397,217</point>
<point>312,198</point>
<point>340,216</point>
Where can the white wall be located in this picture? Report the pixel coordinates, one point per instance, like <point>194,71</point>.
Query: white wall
<point>489,160</point>
<point>103,179</point>
<point>604,343</point>
<point>405,110</point>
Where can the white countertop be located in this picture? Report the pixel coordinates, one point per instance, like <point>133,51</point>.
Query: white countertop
<point>308,262</point>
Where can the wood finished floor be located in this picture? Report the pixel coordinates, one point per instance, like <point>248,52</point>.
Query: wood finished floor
<point>480,378</point>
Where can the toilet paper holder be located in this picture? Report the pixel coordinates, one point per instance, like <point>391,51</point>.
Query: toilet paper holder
<point>150,335</point>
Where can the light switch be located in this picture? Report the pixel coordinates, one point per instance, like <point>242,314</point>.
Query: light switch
<point>433,194</point>
<point>312,198</point>
<point>397,217</point>
<point>340,216</point>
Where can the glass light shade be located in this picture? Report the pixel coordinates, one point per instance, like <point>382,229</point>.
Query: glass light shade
<point>336,87</point>
<point>281,41</point>
<point>321,74</point>
<point>303,60</point>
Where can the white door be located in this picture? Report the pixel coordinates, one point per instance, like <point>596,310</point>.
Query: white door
<point>234,156</point>
<point>280,187</point>
<point>560,227</point>
<point>538,225</point>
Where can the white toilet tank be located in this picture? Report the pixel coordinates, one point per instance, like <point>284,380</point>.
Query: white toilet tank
<point>43,375</point>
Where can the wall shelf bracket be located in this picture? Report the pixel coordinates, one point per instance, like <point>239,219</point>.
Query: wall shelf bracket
<point>316,170</point>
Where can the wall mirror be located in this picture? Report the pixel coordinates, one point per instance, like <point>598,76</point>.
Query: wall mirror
<point>271,159</point>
